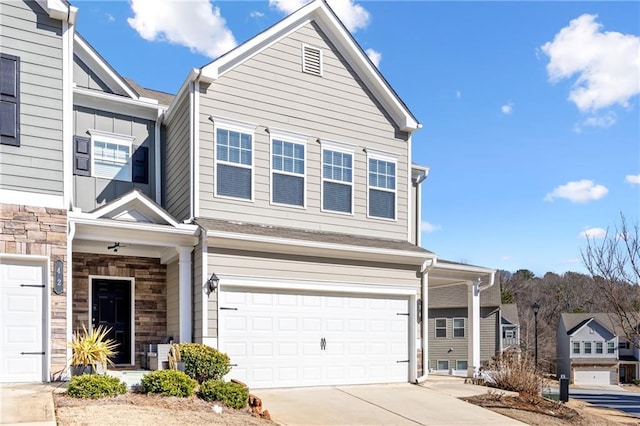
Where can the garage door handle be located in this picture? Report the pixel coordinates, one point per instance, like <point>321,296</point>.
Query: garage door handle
<point>32,285</point>
<point>405,360</point>
<point>323,344</point>
<point>31,353</point>
<point>222,308</point>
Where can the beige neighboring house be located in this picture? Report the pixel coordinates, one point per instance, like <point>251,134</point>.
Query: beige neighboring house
<point>269,209</point>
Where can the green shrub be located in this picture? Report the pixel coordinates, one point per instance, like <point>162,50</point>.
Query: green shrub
<point>95,386</point>
<point>203,363</point>
<point>232,394</point>
<point>168,383</point>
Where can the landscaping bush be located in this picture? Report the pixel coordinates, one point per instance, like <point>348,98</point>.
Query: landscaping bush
<point>513,372</point>
<point>95,386</point>
<point>204,363</point>
<point>168,383</point>
<point>232,394</point>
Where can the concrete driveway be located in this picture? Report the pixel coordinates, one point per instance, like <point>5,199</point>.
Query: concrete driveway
<point>391,404</point>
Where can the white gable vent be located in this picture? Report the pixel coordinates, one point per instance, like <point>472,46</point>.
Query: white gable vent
<point>311,60</point>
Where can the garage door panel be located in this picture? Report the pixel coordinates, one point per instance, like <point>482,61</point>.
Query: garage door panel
<point>364,338</point>
<point>592,377</point>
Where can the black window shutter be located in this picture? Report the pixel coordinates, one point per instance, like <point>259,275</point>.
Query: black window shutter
<point>9,100</point>
<point>81,156</point>
<point>140,165</point>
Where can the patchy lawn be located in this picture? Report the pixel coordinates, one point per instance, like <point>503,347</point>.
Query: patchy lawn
<point>551,413</point>
<point>142,409</point>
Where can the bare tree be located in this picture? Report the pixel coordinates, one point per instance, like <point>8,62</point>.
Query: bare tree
<point>614,264</point>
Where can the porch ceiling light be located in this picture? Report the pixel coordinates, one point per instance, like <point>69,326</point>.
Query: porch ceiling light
<point>212,283</point>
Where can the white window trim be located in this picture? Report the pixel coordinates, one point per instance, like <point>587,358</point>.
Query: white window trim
<point>294,138</point>
<point>464,326</point>
<point>116,138</point>
<point>584,348</point>
<point>573,346</point>
<point>438,366</point>
<point>613,346</point>
<point>373,154</point>
<point>436,328</point>
<point>321,59</point>
<point>234,126</point>
<point>595,346</point>
<point>346,149</point>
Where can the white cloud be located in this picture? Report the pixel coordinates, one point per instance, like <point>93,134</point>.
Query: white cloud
<point>593,233</point>
<point>256,14</point>
<point>110,17</point>
<point>632,179</point>
<point>458,94</point>
<point>607,64</point>
<point>602,121</point>
<point>196,24</point>
<point>429,227</point>
<point>507,108</point>
<point>375,57</point>
<point>352,15</point>
<point>506,257</point>
<point>580,191</point>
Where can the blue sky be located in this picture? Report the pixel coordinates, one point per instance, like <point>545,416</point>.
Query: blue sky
<point>530,109</point>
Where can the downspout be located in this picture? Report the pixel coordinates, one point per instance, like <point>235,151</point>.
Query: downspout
<point>427,266</point>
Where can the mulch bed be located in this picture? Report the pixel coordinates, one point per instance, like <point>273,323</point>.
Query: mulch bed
<point>535,405</point>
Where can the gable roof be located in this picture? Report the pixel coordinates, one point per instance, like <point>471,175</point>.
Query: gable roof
<point>319,12</point>
<point>509,311</point>
<point>575,321</point>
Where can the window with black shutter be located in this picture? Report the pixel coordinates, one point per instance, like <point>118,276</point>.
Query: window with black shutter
<point>140,165</point>
<point>81,156</point>
<point>9,100</point>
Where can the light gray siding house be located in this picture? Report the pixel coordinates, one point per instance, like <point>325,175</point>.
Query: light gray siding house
<point>269,209</point>
<point>592,350</point>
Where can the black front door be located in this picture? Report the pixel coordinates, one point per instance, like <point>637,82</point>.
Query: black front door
<point>111,300</point>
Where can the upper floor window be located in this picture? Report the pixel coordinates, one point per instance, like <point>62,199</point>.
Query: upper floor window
<point>611,347</point>
<point>287,170</point>
<point>509,333</point>
<point>9,100</point>
<point>441,327</point>
<point>599,347</point>
<point>337,180</point>
<point>234,160</point>
<point>587,347</point>
<point>576,347</point>
<point>623,345</point>
<point>111,159</point>
<point>382,187</point>
<point>458,327</point>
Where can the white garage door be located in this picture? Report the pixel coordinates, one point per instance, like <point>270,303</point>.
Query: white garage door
<point>592,377</point>
<point>22,355</point>
<point>288,339</point>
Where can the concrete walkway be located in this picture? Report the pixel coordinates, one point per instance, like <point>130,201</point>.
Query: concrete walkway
<point>391,404</point>
<point>27,404</point>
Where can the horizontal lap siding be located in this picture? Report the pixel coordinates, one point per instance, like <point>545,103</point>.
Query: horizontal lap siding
<point>36,165</point>
<point>178,164</point>
<point>289,267</point>
<point>91,192</point>
<point>271,91</point>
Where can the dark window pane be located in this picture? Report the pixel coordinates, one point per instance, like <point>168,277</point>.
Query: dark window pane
<point>336,197</point>
<point>233,181</point>
<point>288,189</point>
<point>382,204</point>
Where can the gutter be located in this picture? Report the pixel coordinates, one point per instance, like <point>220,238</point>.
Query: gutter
<point>427,266</point>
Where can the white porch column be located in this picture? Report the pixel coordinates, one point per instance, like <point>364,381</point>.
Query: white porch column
<point>473,315</point>
<point>184,297</point>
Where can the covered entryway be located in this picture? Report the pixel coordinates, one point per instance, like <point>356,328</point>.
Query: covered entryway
<point>111,308</point>
<point>22,325</point>
<point>284,339</point>
<point>592,377</point>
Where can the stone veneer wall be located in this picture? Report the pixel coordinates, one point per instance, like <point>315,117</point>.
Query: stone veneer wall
<point>150,292</point>
<point>41,231</point>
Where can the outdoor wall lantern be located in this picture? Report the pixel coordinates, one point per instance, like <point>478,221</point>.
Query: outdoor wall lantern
<point>212,283</point>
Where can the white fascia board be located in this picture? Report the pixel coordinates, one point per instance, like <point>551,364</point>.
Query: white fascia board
<point>129,198</point>
<point>183,91</point>
<point>115,103</point>
<point>57,9</point>
<point>464,268</point>
<point>101,68</point>
<point>132,232</point>
<point>240,281</point>
<point>291,246</point>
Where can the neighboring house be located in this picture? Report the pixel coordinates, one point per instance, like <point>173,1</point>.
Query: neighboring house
<point>449,327</point>
<point>509,327</point>
<point>269,209</point>
<point>593,350</point>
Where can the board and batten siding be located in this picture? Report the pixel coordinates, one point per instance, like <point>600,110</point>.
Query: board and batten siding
<point>198,291</point>
<point>177,176</point>
<point>270,91</point>
<point>173,300</point>
<point>439,348</point>
<point>36,165</point>
<point>303,268</point>
<point>84,77</point>
<point>91,192</point>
